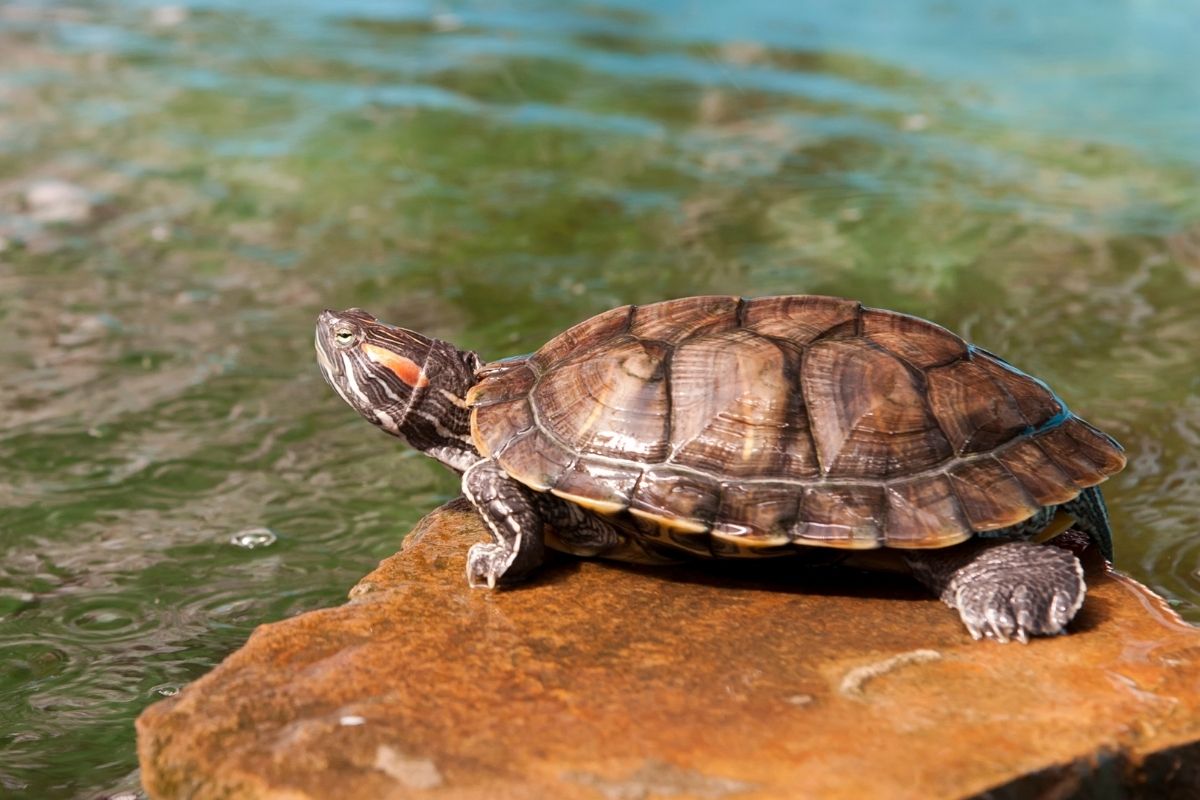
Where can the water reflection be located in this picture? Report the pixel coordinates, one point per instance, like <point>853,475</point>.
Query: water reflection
<point>182,186</point>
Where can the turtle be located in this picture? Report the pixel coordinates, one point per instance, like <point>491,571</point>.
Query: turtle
<point>722,427</point>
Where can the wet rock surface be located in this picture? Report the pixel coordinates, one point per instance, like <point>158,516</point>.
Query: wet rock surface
<point>604,681</point>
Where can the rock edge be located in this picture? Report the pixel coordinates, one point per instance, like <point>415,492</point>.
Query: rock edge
<point>603,681</point>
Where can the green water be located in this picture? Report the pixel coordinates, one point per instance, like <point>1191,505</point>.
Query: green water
<point>1025,173</point>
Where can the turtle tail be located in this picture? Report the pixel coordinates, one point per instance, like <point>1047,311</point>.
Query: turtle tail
<point>1091,517</point>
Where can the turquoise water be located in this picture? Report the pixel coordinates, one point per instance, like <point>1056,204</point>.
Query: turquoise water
<point>183,187</point>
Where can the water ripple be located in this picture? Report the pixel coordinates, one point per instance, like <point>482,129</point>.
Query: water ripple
<point>113,618</point>
<point>253,538</point>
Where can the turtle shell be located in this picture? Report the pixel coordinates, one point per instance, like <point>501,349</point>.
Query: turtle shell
<point>746,427</point>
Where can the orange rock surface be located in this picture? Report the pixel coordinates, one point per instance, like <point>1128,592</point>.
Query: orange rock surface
<point>620,683</point>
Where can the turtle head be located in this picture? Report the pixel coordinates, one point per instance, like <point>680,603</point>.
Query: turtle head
<point>408,384</point>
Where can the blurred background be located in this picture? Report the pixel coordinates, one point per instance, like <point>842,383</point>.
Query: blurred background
<point>183,187</point>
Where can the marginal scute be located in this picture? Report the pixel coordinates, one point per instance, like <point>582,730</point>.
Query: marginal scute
<point>676,498</point>
<point>589,333</point>
<point>868,414</point>
<point>1084,454</point>
<point>991,497</point>
<point>494,369</point>
<point>801,319</point>
<point>605,507</point>
<point>1038,473</point>
<point>612,402</point>
<point>734,408</point>
<point>500,382</point>
<point>758,515</point>
<point>843,516</point>
<point>604,481</point>
<point>673,321</point>
<point>1037,403</point>
<point>534,459</point>
<point>924,512</point>
<point>919,342</point>
<point>974,412</point>
<point>1100,448</point>
<point>492,426</point>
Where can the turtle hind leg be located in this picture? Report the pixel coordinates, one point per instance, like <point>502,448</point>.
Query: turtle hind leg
<point>1091,517</point>
<point>511,513</point>
<point>1002,591</point>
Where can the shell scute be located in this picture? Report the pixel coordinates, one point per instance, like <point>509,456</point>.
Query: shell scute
<point>844,516</point>
<point>1037,403</point>
<point>735,409</point>
<point>535,459</point>
<point>868,413</point>
<point>1083,453</point>
<point>1045,481</point>
<point>673,321</point>
<point>990,495</point>
<point>1100,448</point>
<point>500,382</point>
<point>493,426</point>
<point>801,319</point>
<point>675,498</point>
<point>919,342</point>
<point>760,515</point>
<point>604,481</point>
<point>924,512</point>
<point>598,329</point>
<point>612,402</point>
<point>974,412</point>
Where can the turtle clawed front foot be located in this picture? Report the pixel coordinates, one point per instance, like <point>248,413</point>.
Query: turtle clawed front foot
<point>1017,590</point>
<point>486,564</point>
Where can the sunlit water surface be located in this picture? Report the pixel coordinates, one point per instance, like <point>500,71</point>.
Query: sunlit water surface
<point>183,187</point>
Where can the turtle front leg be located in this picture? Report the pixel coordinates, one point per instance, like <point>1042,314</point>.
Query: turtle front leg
<point>1014,589</point>
<point>511,514</point>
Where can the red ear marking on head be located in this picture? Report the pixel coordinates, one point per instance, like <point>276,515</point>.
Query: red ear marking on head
<point>403,368</point>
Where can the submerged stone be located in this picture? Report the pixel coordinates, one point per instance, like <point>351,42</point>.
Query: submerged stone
<point>599,680</point>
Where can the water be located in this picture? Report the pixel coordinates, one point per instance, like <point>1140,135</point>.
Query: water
<point>183,187</point>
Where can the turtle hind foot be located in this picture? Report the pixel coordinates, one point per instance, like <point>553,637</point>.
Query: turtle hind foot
<point>1007,591</point>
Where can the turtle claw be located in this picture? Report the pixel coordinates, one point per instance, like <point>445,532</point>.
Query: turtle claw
<point>1062,609</point>
<point>1000,622</point>
<point>486,563</point>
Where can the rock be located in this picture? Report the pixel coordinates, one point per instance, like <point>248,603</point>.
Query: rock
<point>621,683</point>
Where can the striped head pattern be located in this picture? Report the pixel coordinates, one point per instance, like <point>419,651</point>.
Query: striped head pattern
<point>408,384</point>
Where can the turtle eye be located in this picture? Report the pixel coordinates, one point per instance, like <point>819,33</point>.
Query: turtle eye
<point>344,336</point>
